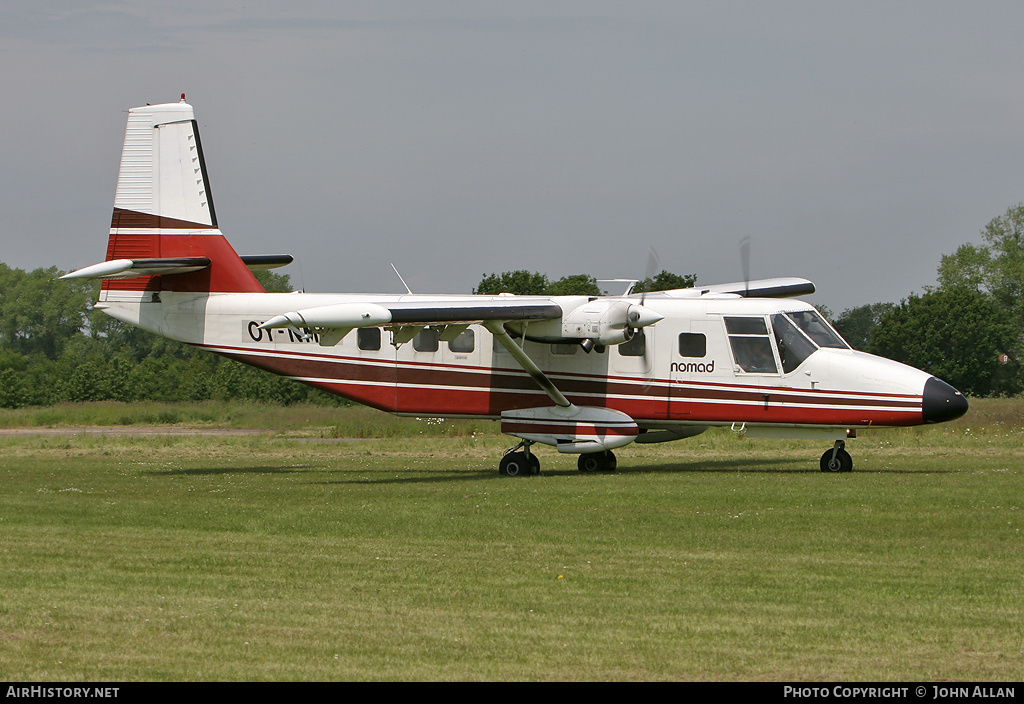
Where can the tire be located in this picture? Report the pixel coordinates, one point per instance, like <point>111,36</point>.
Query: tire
<point>611,462</point>
<point>515,464</point>
<point>597,462</point>
<point>842,462</point>
<point>589,462</point>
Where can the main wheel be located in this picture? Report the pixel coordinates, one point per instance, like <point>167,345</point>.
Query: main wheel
<point>516,464</point>
<point>842,462</point>
<point>610,461</point>
<point>597,462</point>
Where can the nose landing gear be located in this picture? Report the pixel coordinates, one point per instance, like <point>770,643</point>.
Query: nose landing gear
<point>837,459</point>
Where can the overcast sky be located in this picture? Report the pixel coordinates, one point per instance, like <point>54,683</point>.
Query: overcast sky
<point>853,142</point>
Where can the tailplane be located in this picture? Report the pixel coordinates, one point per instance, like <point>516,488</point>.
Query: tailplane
<point>163,233</point>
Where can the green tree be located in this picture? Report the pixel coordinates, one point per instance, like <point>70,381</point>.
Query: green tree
<point>273,283</point>
<point>857,325</point>
<point>38,313</point>
<point>527,283</point>
<point>996,267</point>
<point>519,282</point>
<point>665,281</point>
<point>574,285</point>
<point>957,334</point>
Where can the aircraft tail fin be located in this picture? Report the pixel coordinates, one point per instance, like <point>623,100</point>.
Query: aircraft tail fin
<point>163,233</point>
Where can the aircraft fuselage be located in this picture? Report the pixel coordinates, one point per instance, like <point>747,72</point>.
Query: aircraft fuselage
<point>686,370</point>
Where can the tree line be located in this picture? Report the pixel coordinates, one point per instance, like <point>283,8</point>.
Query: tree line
<point>55,348</point>
<point>968,329</point>
<point>532,283</point>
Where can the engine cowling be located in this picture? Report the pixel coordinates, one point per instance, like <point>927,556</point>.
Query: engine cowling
<point>607,322</point>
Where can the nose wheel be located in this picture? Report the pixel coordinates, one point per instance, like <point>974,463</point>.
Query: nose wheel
<point>837,459</point>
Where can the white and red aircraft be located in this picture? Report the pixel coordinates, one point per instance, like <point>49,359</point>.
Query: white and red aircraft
<point>583,374</point>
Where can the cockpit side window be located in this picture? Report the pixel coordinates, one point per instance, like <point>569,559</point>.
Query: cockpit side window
<point>751,345</point>
<point>794,347</point>
<point>811,322</point>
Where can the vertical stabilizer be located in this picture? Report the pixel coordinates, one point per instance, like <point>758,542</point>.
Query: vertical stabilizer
<point>163,207</point>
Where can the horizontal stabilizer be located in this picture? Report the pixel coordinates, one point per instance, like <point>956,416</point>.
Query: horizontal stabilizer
<point>130,268</point>
<point>259,262</point>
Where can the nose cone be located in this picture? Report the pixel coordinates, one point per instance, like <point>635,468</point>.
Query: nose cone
<point>941,402</point>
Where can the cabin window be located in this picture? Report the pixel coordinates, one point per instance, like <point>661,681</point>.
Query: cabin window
<point>563,348</point>
<point>426,340</point>
<point>368,338</point>
<point>635,347</point>
<point>751,346</point>
<point>794,347</point>
<point>464,343</point>
<point>693,344</point>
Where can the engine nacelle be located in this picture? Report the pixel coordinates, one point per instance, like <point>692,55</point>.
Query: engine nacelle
<point>607,322</point>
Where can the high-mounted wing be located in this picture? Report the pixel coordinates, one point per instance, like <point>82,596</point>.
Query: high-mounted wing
<point>344,317</point>
<point>409,317</point>
<point>780,287</point>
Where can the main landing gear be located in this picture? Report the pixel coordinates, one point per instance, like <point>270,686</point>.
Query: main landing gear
<point>597,462</point>
<point>519,463</point>
<point>837,459</point>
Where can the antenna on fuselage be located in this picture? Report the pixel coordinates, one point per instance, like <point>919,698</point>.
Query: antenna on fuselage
<point>402,280</point>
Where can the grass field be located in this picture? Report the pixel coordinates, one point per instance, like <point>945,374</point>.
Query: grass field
<point>290,555</point>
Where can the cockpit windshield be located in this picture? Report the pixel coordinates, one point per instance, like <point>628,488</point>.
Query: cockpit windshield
<point>794,347</point>
<point>815,327</point>
<point>797,335</point>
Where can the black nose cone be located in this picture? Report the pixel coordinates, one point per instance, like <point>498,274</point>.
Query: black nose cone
<point>941,402</point>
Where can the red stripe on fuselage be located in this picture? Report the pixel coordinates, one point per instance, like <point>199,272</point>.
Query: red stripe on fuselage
<point>444,389</point>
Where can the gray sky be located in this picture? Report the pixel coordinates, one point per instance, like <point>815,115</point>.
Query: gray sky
<point>853,142</point>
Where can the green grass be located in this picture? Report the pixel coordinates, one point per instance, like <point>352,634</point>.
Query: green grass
<point>303,419</point>
<point>274,557</point>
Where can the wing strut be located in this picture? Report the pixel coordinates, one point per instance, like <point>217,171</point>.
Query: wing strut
<point>497,329</point>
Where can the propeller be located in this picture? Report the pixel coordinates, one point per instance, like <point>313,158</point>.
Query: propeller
<point>745,263</point>
<point>640,316</point>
